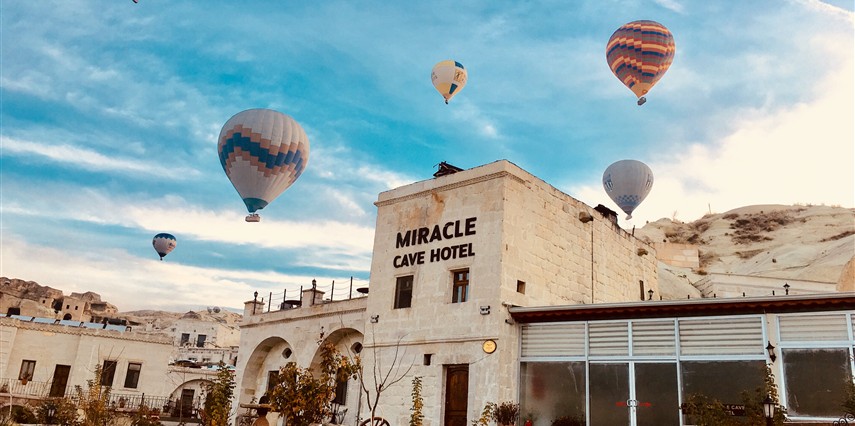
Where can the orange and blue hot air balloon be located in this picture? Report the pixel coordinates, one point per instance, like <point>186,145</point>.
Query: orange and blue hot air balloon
<point>639,53</point>
<point>163,243</point>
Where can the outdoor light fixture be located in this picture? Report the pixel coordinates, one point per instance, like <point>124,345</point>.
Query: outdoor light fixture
<point>650,294</point>
<point>485,310</point>
<point>771,350</point>
<point>375,319</point>
<point>768,409</point>
<point>786,288</point>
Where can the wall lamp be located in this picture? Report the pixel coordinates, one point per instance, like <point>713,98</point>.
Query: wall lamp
<point>771,350</point>
<point>650,294</point>
<point>786,288</point>
<point>375,319</point>
<point>485,310</point>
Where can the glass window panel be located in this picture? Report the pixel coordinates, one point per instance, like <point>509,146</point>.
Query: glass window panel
<point>552,389</point>
<point>133,377</point>
<point>403,292</point>
<point>656,392</point>
<point>609,394</point>
<point>815,380</point>
<point>724,381</point>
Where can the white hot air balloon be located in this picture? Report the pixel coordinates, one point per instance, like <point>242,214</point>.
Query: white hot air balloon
<point>448,78</point>
<point>628,182</point>
<point>262,152</point>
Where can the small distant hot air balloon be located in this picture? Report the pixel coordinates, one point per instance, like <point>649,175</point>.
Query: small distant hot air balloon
<point>448,78</point>
<point>262,152</point>
<point>639,53</point>
<point>163,244</point>
<point>628,182</point>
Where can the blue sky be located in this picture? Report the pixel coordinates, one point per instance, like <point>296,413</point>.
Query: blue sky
<point>110,112</point>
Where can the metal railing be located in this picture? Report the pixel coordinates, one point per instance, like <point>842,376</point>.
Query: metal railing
<point>167,405</point>
<point>333,292</point>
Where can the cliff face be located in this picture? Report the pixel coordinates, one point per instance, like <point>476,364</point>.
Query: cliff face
<point>790,242</point>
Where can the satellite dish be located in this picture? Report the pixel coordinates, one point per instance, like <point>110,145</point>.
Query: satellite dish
<point>216,309</point>
<point>210,309</point>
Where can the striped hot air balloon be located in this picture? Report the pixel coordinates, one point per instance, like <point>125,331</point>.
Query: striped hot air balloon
<point>627,182</point>
<point>163,243</point>
<point>263,152</point>
<point>448,78</point>
<point>639,53</point>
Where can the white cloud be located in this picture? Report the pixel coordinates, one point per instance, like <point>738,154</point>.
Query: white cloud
<point>670,5</point>
<point>831,9</point>
<point>85,159</point>
<point>132,283</point>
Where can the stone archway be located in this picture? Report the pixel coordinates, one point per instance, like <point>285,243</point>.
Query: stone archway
<point>269,355</point>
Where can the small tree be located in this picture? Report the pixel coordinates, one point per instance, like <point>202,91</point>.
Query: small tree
<point>849,396</point>
<point>383,379</point>
<point>303,396</point>
<point>218,400</point>
<point>63,412</point>
<point>94,401</point>
<point>416,416</point>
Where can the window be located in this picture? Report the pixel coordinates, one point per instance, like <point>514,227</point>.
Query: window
<point>521,287</point>
<point>108,372</point>
<point>404,292</point>
<point>340,389</point>
<point>272,380</point>
<point>553,389</point>
<point>28,369</point>
<point>133,376</point>
<point>460,287</point>
<point>200,341</point>
<point>185,338</point>
<point>815,380</point>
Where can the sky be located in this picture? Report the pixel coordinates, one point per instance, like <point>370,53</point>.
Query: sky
<point>110,112</point>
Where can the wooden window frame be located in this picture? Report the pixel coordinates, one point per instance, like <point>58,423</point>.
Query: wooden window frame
<point>460,287</point>
<point>404,297</point>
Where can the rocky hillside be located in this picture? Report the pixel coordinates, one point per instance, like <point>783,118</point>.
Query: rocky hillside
<point>796,242</point>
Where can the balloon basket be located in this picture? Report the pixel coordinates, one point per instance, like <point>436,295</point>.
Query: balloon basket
<point>253,218</point>
<point>641,101</point>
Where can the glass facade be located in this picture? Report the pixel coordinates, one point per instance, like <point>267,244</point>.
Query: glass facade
<point>643,372</point>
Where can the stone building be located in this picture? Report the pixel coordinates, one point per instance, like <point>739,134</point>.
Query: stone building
<point>41,357</point>
<point>451,255</point>
<point>205,341</point>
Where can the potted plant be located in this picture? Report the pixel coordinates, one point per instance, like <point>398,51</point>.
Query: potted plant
<point>506,413</point>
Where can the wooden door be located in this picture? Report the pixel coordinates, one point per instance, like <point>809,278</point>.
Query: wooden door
<point>456,394</point>
<point>60,380</point>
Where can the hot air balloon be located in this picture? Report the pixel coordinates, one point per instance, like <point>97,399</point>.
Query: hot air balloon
<point>628,182</point>
<point>448,78</point>
<point>262,152</point>
<point>639,53</point>
<point>163,244</point>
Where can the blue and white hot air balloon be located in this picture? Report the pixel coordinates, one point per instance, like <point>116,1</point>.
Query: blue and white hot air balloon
<point>628,182</point>
<point>163,243</point>
<point>262,152</point>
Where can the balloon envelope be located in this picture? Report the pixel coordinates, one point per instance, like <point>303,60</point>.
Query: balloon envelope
<point>639,53</point>
<point>262,152</point>
<point>448,78</point>
<point>628,182</point>
<point>163,244</point>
